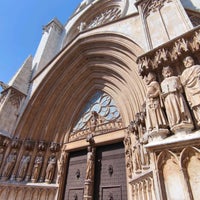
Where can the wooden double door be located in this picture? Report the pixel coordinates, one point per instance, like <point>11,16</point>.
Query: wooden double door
<point>110,174</point>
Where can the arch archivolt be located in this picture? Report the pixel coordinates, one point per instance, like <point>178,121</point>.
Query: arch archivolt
<point>105,62</point>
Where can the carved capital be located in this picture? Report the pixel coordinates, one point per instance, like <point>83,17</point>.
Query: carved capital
<point>29,144</point>
<point>16,143</point>
<point>42,146</point>
<point>54,147</point>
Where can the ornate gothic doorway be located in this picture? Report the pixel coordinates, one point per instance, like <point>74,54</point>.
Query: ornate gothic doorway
<point>109,178</point>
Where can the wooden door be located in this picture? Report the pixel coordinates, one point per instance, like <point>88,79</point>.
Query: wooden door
<point>110,173</point>
<point>76,176</point>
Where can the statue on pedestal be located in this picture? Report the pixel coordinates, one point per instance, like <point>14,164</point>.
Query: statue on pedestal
<point>176,108</point>
<point>156,122</point>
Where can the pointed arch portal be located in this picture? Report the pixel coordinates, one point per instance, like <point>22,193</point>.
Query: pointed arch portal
<point>101,62</point>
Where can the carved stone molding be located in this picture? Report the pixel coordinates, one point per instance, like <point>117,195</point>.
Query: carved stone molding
<point>149,6</point>
<point>169,52</point>
<point>16,97</point>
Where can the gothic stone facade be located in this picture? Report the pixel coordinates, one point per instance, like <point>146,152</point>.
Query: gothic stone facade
<point>108,107</point>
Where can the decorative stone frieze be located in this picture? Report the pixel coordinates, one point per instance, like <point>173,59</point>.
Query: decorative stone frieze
<point>143,187</point>
<point>169,52</point>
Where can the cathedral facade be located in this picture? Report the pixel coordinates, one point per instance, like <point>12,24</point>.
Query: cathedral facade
<point>108,108</point>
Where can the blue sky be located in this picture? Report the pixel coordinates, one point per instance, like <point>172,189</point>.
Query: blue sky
<point>21,29</point>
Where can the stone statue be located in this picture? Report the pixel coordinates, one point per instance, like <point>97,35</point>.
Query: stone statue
<point>50,169</point>
<point>82,26</point>
<point>137,155</point>
<point>190,80</point>
<point>90,164</point>
<point>23,166</point>
<point>177,110</point>
<point>61,165</point>
<point>36,168</point>
<point>9,166</point>
<point>155,118</point>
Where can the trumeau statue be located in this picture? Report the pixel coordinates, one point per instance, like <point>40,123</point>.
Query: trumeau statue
<point>177,110</point>
<point>190,80</point>
<point>155,117</point>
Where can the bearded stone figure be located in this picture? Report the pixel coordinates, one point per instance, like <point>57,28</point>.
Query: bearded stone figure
<point>156,121</point>
<point>190,80</point>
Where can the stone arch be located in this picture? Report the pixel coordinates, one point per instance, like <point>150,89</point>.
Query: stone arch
<point>105,62</point>
<point>96,11</point>
<point>190,162</point>
<point>171,176</point>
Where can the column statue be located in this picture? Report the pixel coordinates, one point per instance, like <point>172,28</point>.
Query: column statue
<point>36,168</point>
<point>23,167</point>
<point>9,166</point>
<point>50,169</point>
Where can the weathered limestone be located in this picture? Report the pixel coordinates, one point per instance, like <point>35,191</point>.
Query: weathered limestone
<point>69,108</point>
